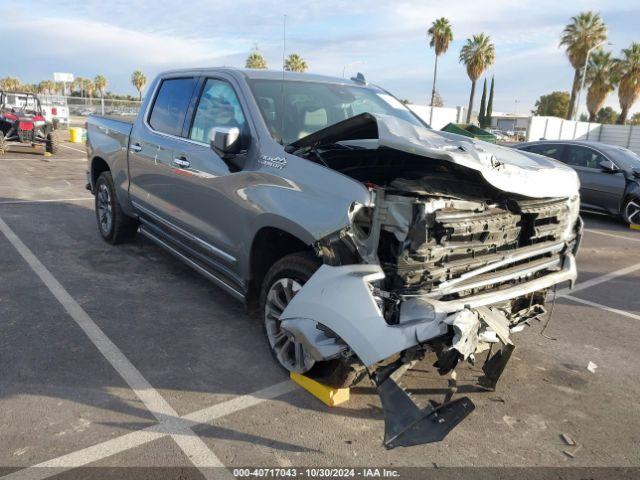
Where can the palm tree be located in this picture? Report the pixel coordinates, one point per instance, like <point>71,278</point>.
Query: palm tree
<point>440,36</point>
<point>629,71</point>
<point>256,60</point>
<point>602,79</point>
<point>100,83</point>
<point>477,54</point>
<point>585,32</point>
<point>139,81</point>
<point>11,84</point>
<point>78,84</point>
<point>295,63</point>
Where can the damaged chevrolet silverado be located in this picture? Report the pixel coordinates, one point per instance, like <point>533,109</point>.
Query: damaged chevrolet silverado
<point>362,239</point>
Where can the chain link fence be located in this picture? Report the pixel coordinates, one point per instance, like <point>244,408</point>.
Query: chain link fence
<point>85,106</point>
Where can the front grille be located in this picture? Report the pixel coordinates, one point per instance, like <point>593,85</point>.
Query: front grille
<point>463,241</point>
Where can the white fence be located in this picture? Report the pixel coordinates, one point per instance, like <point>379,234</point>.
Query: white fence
<point>554,128</point>
<point>441,115</point>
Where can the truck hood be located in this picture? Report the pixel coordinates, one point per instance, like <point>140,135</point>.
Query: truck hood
<point>506,169</point>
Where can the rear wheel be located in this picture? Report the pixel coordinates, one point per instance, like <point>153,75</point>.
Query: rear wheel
<point>114,226</point>
<point>3,144</point>
<point>631,211</point>
<point>284,279</point>
<point>53,142</point>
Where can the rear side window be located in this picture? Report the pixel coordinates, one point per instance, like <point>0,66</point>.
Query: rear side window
<point>171,104</point>
<point>551,151</point>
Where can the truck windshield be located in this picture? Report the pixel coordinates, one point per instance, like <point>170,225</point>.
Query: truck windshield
<point>312,106</point>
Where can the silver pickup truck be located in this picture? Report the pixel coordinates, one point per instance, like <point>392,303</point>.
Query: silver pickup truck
<point>361,238</point>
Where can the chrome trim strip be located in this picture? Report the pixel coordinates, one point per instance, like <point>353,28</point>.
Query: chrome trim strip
<point>215,250</point>
<point>568,273</point>
<point>515,257</point>
<point>525,272</point>
<point>192,264</point>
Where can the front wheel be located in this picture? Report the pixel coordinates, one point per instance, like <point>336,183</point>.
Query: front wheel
<point>114,226</point>
<point>283,280</point>
<point>631,211</point>
<point>53,142</point>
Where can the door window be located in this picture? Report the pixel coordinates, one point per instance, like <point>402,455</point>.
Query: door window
<point>583,157</point>
<point>218,107</point>
<point>171,104</point>
<point>551,151</point>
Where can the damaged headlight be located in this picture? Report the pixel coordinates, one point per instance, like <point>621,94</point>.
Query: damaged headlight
<point>573,206</point>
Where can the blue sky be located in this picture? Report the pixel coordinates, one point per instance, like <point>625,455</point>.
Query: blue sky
<point>386,40</point>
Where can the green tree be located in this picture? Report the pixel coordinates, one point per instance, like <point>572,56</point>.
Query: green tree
<point>635,119</point>
<point>555,104</point>
<point>139,80</point>
<point>629,71</point>
<point>586,31</point>
<point>602,79</point>
<point>483,105</point>
<point>100,83</point>
<point>440,35</point>
<point>295,63</point>
<point>607,115</point>
<point>256,60</point>
<point>477,54</point>
<point>489,105</point>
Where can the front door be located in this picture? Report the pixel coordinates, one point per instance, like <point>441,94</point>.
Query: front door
<point>205,194</point>
<point>599,189</point>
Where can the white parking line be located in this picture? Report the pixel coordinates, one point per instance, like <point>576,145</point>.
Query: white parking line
<point>45,200</point>
<point>598,280</point>
<point>131,440</point>
<point>603,307</point>
<point>192,445</point>
<point>75,149</point>
<point>622,237</point>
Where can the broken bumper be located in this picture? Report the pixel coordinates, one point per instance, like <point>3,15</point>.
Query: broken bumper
<point>337,307</point>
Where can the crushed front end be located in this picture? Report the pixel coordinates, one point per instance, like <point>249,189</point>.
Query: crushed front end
<point>440,261</point>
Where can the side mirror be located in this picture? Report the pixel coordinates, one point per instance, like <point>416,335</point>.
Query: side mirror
<point>227,143</point>
<point>608,166</point>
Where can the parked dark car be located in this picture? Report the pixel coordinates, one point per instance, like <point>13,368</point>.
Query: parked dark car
<point>609,174</point>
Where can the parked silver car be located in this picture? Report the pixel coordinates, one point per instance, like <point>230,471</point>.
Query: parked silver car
<point>362,239</point>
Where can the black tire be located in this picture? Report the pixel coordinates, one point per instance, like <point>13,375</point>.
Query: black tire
<point>53,142</point>
<point>119,227</point>
<point>631,211</point>
<point>3,144</point>
<point>338,373</point>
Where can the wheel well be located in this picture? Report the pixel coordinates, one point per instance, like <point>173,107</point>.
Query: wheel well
<point>269,245</point>
<point>98,166</point>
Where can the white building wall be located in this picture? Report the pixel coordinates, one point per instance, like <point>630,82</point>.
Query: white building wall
<point>553,128</point>
<point>441,115</point>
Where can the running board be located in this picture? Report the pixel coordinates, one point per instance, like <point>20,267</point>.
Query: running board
<point>192,263</point>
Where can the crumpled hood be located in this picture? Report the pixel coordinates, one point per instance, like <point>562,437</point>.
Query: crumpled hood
<point>505,168</point>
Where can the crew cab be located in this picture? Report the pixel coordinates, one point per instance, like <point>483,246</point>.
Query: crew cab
<point>362,239</point>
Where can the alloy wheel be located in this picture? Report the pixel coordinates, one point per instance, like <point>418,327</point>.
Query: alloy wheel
<point>105,213</point>
<point>632,212</point>
<point>290,353</point>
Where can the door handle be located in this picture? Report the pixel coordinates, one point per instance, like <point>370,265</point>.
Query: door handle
<point>136,147</point>
<point>181,162</point>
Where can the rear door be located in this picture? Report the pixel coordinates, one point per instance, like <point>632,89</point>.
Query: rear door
<point>151,148</point>
<point>599,189</point>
